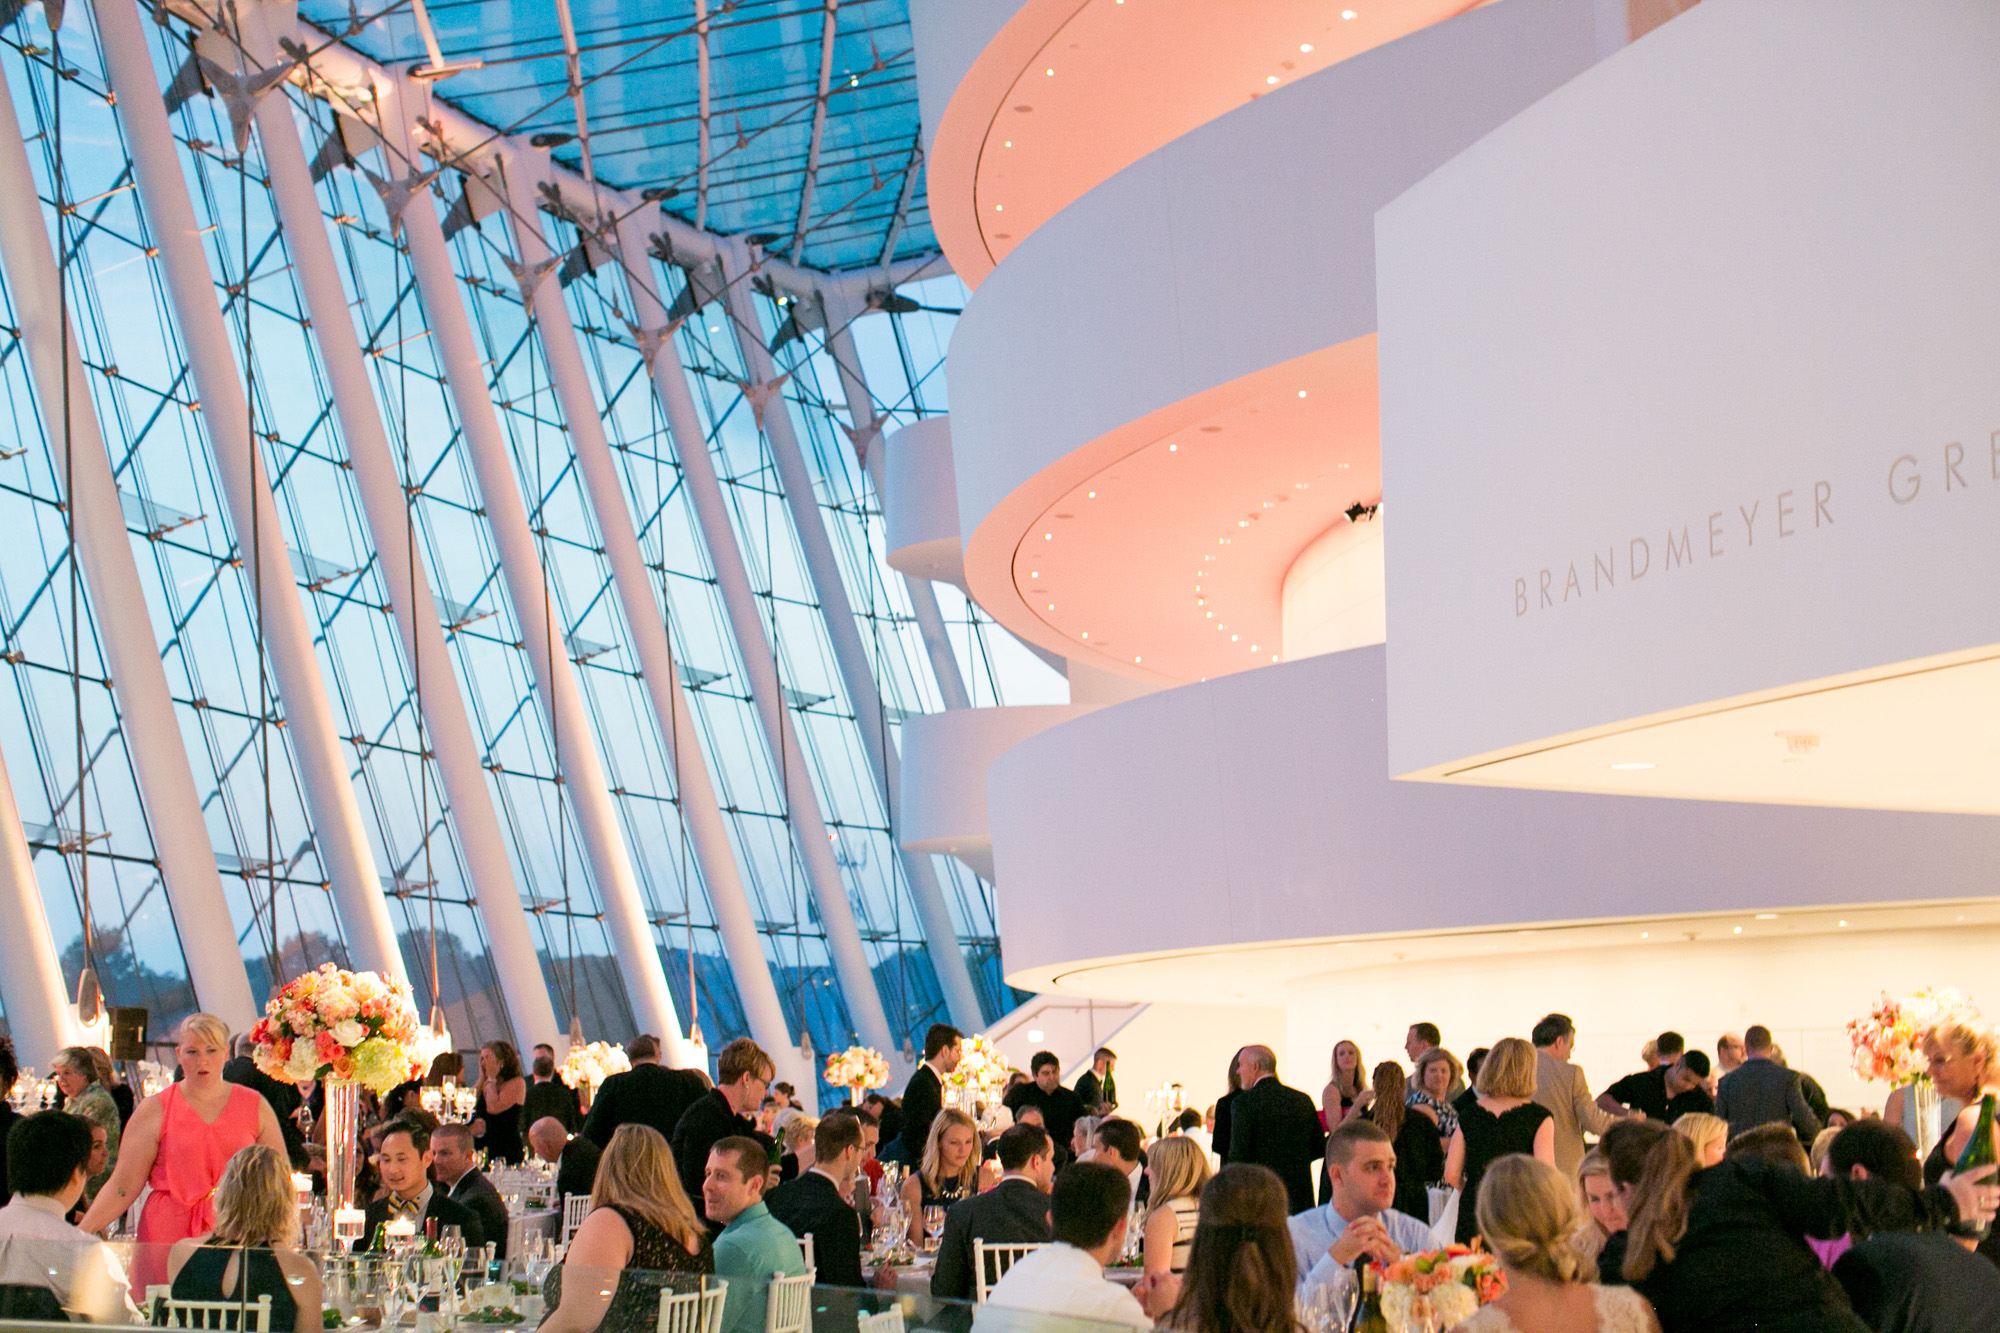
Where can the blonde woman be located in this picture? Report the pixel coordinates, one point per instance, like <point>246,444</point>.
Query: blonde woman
<point>1178,1168</point>
<point>1530,1218</point>
<point>254,1249</point>
<point>640,1222</point>
<point>796,1138</point>
<point>949,1170</point>
<point>1964,1056</point>
<point>1597,1192</point>
<point>1708,1133</point>
<point>1504,1119</point>
<point>1347,1093</point>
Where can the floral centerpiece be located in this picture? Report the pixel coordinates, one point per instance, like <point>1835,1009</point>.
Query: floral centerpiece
<point>858,1069</point>
<point>1888,1048</point>
<point>590,1064</point>
<point>981,1075</point>
<point>345,1027</point>
<point>1451,1283</point>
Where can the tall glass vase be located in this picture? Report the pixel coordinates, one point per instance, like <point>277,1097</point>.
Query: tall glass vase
<point>343,1134</point>
<point>1928,1105</point>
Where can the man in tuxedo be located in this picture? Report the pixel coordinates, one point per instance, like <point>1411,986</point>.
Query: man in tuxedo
<point>1117,1144</point>
<point>575,1159</point>
<point>924,1097</point>
<point>463,1183</point>
<point>1061,1108</point>
<point>548,1095</point>
<point>743,1072</point>
<point>1016,1211</point>
<point>816,1202</point>
<point>1275,1126</point>
<point>1097,1089</point>
<point>1908,1281</point>
<point>405,1166</point>
<point>646,1094</point>
<point>283,1097</point>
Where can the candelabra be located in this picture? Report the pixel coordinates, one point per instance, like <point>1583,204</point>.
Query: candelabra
<point>450,1103</point>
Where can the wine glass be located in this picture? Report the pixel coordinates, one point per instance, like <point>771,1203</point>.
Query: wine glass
<point>933,1225</point>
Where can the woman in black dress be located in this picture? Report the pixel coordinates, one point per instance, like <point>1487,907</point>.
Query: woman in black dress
<point>641,1238</point>
<point>1964,1056</point>
<point>253,1249</point>
<point>1504,1119</point>
<point>496,1114</point>
<point>1419,1149</point>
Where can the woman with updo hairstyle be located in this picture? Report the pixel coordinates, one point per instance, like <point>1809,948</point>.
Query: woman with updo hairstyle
<point>1241,1271</point>
<point>1531,1220</point>
<point>253,1250</point>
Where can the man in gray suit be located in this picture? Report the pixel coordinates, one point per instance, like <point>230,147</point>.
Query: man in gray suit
<point>1760,1091</point>
<point>1561,1087</point>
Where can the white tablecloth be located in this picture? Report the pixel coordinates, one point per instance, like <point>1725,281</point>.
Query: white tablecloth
<point>522,1226</point>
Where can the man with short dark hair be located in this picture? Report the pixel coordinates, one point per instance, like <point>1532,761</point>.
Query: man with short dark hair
<point>464,1183</point>
<point>1117,1143</point>
<point>1908,1281</point>
<point>1060,1107</point>
<point>1561,1087</point>
<point>548,1095</point>
<point>1096,1088</point>
<point>646,1094</point>
<point>1645,1093</point>
<point>283,1097</point>
<point>1275,1126</point>
<point>816,1202</point>
<point>1357,1218</point>
<point>1088,1214</point>
<point>753,1244</point>
<point>923,1097</point>
<point>47,1266</point>
<point>1014,1212</point>
<point>1687,1086</point>
<point>575,1157</point>
<point>742,1073</point>
<point>1420,1038</point>
<point>1761,1091</point>
<point>404,1163</point>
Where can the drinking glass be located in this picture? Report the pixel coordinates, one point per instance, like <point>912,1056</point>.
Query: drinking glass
<point>933,1225</point>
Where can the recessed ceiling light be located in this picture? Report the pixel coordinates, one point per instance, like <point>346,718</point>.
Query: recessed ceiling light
<point>1037,574</point>
<point>1302,393</point>
<point>1008,144</point>
<point>1135,660</point>
<point>1048,536</point>
<point>1349,14</point>
<point>1173,448</point>
<point>999,208</point>
<point>1645,934</point>
<point>1843,923</point>
<point>1086,634</point>
<point>1630,767</point>
<point>1090,495</point>
<point>1739,930</point>
<point>1271,78</point>
<point>1234,637</point>
<point>1051,73</point>
<point>1306,47</point>
<point>1773,916</point>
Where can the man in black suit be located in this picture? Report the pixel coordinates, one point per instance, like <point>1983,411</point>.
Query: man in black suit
<point>1760,1091</point>
<point>1061,1108</point>
<point>465,1184</point>
<point>1908,1281</point>
<point>924,1097</point>
<point>575,1159</point>
<point>548,1095</point>
<point>646,1094</point>
<point>405,1165</point>
<point>1275,1126</point>
<point>1117,1144</point>
<point>283,1097</point>
<point>743,1072</point>
<point>1096,1087</point>
<point>1016,1211</point>
<point>816,1203</point>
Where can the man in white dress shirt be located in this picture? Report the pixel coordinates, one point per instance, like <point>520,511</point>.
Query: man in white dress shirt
<point>1356,1219</point>
<point>1087,1216</point>
<point>48,1163</point>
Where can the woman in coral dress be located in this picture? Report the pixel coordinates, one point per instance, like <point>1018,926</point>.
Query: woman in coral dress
<point>178,1142</point>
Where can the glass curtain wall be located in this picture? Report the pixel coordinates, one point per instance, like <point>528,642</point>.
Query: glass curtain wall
<point>202,607</point>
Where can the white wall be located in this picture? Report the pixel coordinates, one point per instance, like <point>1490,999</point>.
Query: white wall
<point>1333,596</point>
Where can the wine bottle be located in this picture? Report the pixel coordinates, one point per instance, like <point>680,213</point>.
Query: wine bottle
<point>1368,1316</point>
<point>1978,1152</point>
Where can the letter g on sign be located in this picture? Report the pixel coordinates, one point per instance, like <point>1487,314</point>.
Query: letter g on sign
<point>1904,479</point>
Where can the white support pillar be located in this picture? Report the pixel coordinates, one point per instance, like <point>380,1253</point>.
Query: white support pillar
<point>704,488</point>
<point>734,920</point>
<point>840,315</point>
<point>624,906</point>
<point>946,955</point>
<point>125,627</point>
<point>40,1017</point>
<point>448,728</point>
<point>336,815</point>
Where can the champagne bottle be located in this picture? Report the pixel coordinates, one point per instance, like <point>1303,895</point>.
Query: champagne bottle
<point>1978,1152</point>
<point>1368,1316</point>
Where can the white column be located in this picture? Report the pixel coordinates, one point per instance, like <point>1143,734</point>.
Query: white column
<point>836,913</point>
<point>124,625</point>
<point>336,815</point>
<point>376,477</point>
<point>40,1016</point>
<point>840,314</point>
<point>618,889</point>
<point>946,954</point>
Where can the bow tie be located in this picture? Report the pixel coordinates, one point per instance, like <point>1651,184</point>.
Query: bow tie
<point>404,1208</point>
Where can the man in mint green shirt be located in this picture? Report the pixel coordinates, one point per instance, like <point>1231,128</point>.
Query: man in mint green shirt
<point>753,1245</point>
